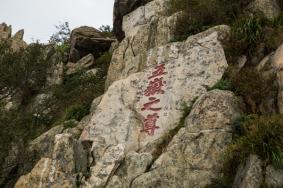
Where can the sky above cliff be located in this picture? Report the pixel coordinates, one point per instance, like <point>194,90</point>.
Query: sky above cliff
<point>39,17</point>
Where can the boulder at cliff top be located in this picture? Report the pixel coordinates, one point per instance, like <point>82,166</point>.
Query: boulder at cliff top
<point>85,40</point>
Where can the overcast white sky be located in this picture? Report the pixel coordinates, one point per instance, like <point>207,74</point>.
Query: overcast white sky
<point>38,17</point>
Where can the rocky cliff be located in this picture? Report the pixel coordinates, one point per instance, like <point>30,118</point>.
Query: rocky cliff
<point>174,113</point>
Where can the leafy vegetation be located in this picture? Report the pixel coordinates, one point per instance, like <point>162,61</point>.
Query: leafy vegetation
<point>223,84</point>
<point>260,135</point>
<point>198,15</point>
<point>22,72</point>
<point>62,35</point>
<point>223,182</point>
<point>106,31</point>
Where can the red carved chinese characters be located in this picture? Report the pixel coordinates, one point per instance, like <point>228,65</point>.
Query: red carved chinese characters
<point>155,86</point>
<point>148,106</point>
<point>159,71</point>
<point>150,124</point>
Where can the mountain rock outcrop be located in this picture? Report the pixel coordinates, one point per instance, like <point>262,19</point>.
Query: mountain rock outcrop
<point>166,117</point>
<point>16,40</point>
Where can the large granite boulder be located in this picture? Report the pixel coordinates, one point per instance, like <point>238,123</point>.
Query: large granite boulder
<point>143,108</point>
<point>85,40</point>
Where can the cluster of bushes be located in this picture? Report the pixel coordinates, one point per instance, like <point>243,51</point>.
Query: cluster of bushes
<point>198,15</point>
<point>22,72</point>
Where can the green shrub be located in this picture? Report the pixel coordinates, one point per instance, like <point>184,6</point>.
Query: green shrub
<point>198,15</point>
<point>104,60</point>
<point>62,35</point>
<point>63,48</point>
<point>106,31</point>
<point>23,71</point>
<point>261,135</point>
<point>223,182</point>
<point>223,84</point>
<point>77,112</point>
<point>250,84</point>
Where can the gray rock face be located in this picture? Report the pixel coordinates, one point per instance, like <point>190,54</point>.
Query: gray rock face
<point>250,175</point>
<point>5,31</point>
<point>269,8</point>
<point>19,35</point>
<point>83,64</point>
<point>187,69</point>
<point>56,171</point>
<point>194,155</point>
<point>85,40</point>
<point>121,8</point>
<point>274,177</point>
<point>16,41</point>
<point>43,145</point>
<point>105,167</point>
<point>146,29</point>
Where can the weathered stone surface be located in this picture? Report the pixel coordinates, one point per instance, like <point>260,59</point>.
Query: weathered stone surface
<point>277,64</point>
<point>136,53</point>
<point>39,177</point>
<point>194,155</point>
<point>57,171</point>
<point>274,177</point>
<point>85,40</point>
<point>5,31</point>
<point>278,58</point>
<point>115,182</point>
<point>250,175</point>
<point>105,167</point>
<point>121,8</point>
<point>43,145</point>
<point>269,8</point>
<point>19,35</point>
<point>83,64</point>
<point>136,164</point>
<point>17,40</point>
<point>145,28</point>
<point>55,75</point>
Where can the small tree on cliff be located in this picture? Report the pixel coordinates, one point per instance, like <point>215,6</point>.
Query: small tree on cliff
<point>62,35</point>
